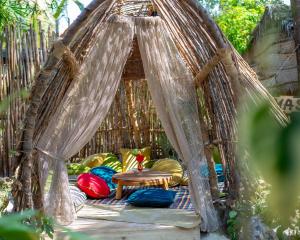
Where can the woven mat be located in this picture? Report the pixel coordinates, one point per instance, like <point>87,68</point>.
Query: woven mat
<point>182,199</point>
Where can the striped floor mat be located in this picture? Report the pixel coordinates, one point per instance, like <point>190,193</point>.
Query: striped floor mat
<point>182,199</point>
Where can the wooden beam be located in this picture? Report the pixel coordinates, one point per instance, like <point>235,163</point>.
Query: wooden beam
<point>208,67</point>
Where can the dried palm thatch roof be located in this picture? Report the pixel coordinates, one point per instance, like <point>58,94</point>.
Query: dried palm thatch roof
<point>221,74</point>
<point>278,15</point>
<point>272,51</point>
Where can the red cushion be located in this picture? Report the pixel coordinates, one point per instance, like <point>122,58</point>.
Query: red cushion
<point>93,186</point>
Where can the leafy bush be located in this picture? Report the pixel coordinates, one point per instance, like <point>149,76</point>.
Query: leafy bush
<point>232,225</point>
<point>237,18</point>
<point>274,160</point>
<point>32,225</point>
<point>16,227</point>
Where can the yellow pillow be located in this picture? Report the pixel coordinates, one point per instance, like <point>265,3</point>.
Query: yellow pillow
<point>169,166</point>
<point>128,159</point>
<point>184,181</point>
<point>95,160</point>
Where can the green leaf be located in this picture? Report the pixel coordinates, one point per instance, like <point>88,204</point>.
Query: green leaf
<point>232,214</point>
<point>61,7</point>
<point>237,19</point>
<point>13,228</point>
<point>79,4</point>
<point>9,233</point>
<point>135,152</point>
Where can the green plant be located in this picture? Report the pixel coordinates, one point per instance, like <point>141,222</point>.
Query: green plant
<point>12,11</point>
<point>237,18</point>
<point>259,200</point>
<point>237,23</point>
<point>27,12</point>
<point>42,224</point>
<point>12,227</point>
<point>58,7</point>
<point>274,159</point>
<point>32,225</point>
<point>232,225</point>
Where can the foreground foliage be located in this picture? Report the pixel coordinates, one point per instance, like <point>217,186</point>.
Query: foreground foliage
<point>274,163</point>
<point>32,225</point>
<point>18,226</point>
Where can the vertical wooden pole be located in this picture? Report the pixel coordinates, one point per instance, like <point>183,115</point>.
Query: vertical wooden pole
<point>132,112</point>
<point>212,173</point>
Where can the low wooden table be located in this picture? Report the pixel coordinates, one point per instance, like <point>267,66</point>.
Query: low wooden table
<point>145,178</point>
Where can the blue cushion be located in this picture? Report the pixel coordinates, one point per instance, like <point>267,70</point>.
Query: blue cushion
<point>219,168</point>
<point>106,174</point>
<point>152,197</point>
<point>220,173</point>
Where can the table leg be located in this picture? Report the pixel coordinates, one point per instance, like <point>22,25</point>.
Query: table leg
<point>119,191</point>
<point>165,185</point>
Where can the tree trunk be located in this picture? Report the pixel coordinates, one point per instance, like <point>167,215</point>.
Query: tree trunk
<point>295,5</point>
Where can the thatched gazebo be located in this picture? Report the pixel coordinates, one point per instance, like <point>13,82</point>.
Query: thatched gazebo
<point>181,53</point>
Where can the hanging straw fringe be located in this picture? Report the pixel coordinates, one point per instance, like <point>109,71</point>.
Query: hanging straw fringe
<point>61,51</point>
<point>70,61</point>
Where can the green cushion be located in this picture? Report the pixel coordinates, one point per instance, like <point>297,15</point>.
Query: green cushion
<point>113,162</point>
<point>77,168</point>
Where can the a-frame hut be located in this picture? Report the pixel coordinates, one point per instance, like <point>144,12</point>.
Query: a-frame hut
<point>183,52</point>
<point>272,51</point>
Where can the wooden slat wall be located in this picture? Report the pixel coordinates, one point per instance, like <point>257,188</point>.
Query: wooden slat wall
<point>21,55</point>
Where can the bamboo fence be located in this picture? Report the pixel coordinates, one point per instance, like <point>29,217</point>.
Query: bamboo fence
<point>131,122</point>
<point>22,54</point>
